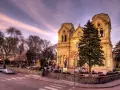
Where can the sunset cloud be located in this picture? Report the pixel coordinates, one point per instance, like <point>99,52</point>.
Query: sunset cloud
<point>37,11</point>
<point>44,17</point>
<point>12,22</point>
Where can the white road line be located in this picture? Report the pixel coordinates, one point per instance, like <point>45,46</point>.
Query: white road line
<point>36,75</point>
<point>27,75</point>
<point>59,85</point>
<point>56,86</point>
<point>22,78</point>
<point>50,88</point>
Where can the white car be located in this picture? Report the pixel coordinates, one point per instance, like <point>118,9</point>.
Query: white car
<point>80,69</point>
<point>1,69</point>
<point>8,71</point>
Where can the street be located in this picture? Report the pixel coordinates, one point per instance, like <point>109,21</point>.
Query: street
<point>24,82</point>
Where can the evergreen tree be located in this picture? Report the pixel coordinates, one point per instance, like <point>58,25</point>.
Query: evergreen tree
<point>90,50</point>
<point>116,53</point>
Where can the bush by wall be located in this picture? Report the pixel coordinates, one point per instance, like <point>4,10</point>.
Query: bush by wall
<point>85,79</point>
<point>25,71</point>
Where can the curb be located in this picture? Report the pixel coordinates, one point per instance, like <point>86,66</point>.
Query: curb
<point>72,83</point>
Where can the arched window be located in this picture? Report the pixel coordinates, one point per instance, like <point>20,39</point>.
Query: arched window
<point>62,38</point>
<point>101,32</point>
<point>65,37</point>
<point>98,24</point>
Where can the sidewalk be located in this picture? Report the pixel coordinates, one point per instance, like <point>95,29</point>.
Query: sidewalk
<point>106,85</point>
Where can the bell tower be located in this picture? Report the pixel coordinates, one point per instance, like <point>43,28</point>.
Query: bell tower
<point>103,24</point>
<point>63,47</point>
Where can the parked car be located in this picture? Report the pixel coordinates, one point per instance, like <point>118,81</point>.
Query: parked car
<point>33,67</point>
<point>57,71</point>
<point>1,69</point>
<point>8,71</point>
<point>80,70</point>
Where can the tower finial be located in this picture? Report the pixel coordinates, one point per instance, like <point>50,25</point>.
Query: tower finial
<point>79,25</point>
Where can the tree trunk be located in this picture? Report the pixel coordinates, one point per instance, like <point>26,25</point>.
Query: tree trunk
<point>117,64</point>
<point>90,68</point>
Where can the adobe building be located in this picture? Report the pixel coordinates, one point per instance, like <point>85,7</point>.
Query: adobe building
<point>68,39</point>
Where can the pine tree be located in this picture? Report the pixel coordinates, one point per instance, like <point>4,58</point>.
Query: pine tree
<point>116,53</point>
<point>90,50</point>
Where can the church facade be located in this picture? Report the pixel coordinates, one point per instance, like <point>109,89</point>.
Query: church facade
<point>68,39</point>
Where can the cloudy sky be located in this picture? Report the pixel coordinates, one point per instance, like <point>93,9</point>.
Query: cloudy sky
<point>44,17</point>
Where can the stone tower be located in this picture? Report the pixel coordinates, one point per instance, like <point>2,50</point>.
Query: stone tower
<point>103,24</point>
<point>63,47</point>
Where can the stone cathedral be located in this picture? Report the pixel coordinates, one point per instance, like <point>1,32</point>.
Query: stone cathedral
<point>68,39</point>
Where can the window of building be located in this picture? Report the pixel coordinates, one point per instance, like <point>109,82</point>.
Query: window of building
<point>98,24</point>
<point>60,59</point>
<point>101,32</point>
<point>62,38</point>
<point>65,37</point>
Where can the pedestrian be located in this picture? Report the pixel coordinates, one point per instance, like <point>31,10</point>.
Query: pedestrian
<point>4,66</point>
<point>43,71</point>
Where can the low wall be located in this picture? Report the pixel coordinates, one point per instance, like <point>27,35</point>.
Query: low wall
<point>25,71</point>
<point>85,80</point>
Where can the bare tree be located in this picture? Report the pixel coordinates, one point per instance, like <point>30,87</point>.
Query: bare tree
<point>15,36</point>
<point>34,48</point>
<point>1,42</point>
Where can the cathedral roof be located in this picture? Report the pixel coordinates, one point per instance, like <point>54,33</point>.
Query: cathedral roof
<point>102,16</point>
<point>79,27</point>
<point>68,25</point>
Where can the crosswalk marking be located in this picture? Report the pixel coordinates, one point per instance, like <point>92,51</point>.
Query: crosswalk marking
<point>55,86</point>
<point>50,88</point>
<point>14,78</point>
<point>42,89</point>
<point>59,85</point>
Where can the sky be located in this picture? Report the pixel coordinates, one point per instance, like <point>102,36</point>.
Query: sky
<point>44,17</point>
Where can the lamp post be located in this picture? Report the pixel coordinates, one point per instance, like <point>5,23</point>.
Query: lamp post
<point>74,66</point>
<point>74,70</point>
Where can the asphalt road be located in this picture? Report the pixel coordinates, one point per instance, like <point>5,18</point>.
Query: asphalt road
<point>24,82</point>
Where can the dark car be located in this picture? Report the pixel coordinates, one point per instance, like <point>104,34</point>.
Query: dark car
<point>1,69</point>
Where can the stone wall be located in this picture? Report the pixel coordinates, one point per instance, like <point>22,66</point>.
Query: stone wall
<point>25,71</point>
<point>84,79</point>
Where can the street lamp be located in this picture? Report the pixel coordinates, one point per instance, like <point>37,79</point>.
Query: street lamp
<point>74,70</point>
<point>76,54</point>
